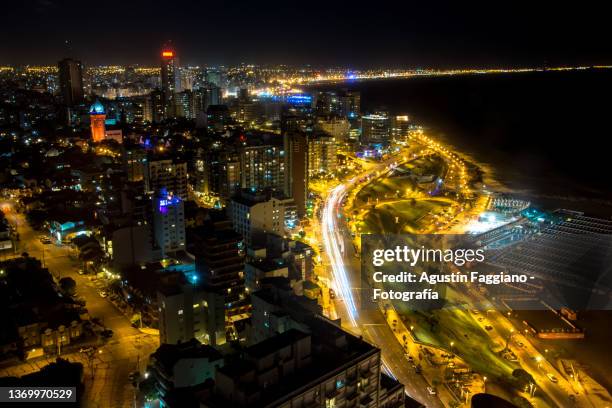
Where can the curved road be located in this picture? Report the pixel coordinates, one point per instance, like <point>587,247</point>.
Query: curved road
<point>371,324</point>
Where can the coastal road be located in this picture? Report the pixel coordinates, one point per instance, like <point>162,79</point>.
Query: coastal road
<point>371,324</point>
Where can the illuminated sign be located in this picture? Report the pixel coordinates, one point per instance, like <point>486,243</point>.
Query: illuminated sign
<point>168,54</point>
<point>299,99</point>
<point>293,99</point>
<point>164,203</point>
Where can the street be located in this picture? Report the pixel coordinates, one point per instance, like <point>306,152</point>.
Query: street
<point>339,249</point>
<point>125,352</point>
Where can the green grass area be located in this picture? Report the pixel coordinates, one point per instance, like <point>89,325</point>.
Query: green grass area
<point>410,213</point>
<point>385,188</point>
<point>400,185</point>
<point>433,164</point>
<point>456,324</point>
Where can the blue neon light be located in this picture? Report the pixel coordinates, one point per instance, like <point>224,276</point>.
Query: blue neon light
<point>294,99</point>
<point>164,203</point>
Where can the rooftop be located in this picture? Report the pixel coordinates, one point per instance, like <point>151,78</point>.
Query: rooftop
<point>169,354</point>
<point>97,108</point>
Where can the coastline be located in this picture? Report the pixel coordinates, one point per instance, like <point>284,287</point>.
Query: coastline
<point>533,134</point>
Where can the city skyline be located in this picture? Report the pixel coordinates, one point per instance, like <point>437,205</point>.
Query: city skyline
<point>307,205</point>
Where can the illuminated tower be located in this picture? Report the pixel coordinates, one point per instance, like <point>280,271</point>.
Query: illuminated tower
<point>169,65</point>
<point>97,116</point>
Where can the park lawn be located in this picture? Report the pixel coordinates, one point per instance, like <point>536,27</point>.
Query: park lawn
<point>400,186</point>
<point>381,219</point>
<point>384,188</point>
<point>425,165</point>
<point>454,322</point>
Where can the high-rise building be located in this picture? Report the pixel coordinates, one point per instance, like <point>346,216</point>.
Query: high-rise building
<point>215,77</point>
<point>256,214</point>
<point>186,78</point>
<point>350,104</point>
<point>213,95</point>
<point>157,108</point>
<point>274,256</point>
<point>217,173</point>
<point>262,162</point>
<point>322,365</point>
<point>134,160</point>
<point>189,310</point>
<point>138,110</point>
<point>321,155</point>
<point>184,104</point>
<point>375,128</point>
<point>326,103</point>
<point>169,222</point>
<point>296,179</point>
<point>219,252</point>
<point>400,128</point>
<point>97,118</point>
<point>217,117</point>
<point>71,81</point>
<point>166,173</point>
<point>336,126</point>
<point>247,111</point>
<point>169,66</point>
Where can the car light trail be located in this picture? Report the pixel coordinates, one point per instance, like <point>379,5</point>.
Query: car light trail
<point>331,238</point>
<point>386,369</point>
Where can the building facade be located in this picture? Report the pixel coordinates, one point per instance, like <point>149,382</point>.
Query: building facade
<point>97,118</point>
<point>169,66</point>
<point>254,214</point>
<point>71,81</point>
<point>375,128</point>
<point>169,222</point>
<point>165,173</point>
<point>322,155</point>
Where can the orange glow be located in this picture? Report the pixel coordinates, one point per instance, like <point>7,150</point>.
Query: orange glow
<point>167,54</point>
<point>98,128</point>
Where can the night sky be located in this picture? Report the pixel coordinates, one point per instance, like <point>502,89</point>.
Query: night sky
<point>359,35</point>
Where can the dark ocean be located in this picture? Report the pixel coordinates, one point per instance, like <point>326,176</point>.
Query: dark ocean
<point>544,135</point>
